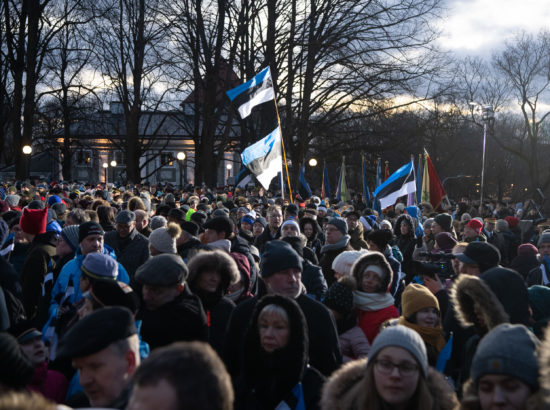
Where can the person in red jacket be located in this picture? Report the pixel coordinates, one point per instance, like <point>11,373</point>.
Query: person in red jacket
<point>374,303</point>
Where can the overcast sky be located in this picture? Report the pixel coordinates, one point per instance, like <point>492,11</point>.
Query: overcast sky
<point>480,27</point>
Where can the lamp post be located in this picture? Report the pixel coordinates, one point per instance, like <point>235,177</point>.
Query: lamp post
<point>312,162</point>
<point>113,164</point>
<point>27,150</point>
<point>229,167</point>
<point>181,157</point>
<point>105,166</point>
<point>487,114</point>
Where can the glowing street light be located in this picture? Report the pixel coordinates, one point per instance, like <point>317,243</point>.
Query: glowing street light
<point>180,155</point>
<point>113,163</point>
<point>312,162</point>
<point>27,149</point>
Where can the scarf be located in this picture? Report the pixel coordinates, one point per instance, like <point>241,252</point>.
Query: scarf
<point>342,243</point>
<point>431,335</point>
<point>372,301</point>
<point>223,244</point>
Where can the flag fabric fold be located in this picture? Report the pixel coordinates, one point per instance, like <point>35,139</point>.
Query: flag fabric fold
<point>243,178</point>
<point>264,158</point>
<point>434,191</point>
<point>325,185</point>
<point>419,180</point>
<point>366,192</point>
<point>342,193</point>
<point>400,183</point>
<point>305,190</point>
<point>254,92</point>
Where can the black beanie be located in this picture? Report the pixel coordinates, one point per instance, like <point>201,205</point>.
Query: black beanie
<point>89,228</point>
<point>380,238</point>
<point>278,256</point>
<point>445,221</point>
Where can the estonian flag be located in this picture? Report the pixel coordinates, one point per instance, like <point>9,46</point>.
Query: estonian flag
<point>244,177</point>
<point>254,92</point>
<point>401,182</point>
<point>305,190</point>
<point>264,158</point>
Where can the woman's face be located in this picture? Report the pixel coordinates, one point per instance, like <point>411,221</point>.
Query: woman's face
<point>209,281</point>
<point>308,230</point>
<point>370,282</point>
<point>257,229</point>
<point>502,392</point>
<point>404,229</point>
<point>428,317</point>
<point>396,385</point>
<point>373,247</point>
<point>274,331</point>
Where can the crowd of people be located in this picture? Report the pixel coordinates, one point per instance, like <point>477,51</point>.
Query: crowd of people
<point>145,297</point>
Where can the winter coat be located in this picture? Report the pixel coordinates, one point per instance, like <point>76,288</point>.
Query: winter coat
<point>50,383</point>
<point>357,241</point>
<point>131,252</point>
<point>70,275</point>
<point>354,344</point>
<point>324,346</point>
<point>536,275</point>
<point>345,390</point>
<point>265,237</point>
<point>523,264</point>
<point>329,253</point>
<point>182,319</point>
<point>184,249</point>
<point>37,264</point>
<point>240,245</point>
<point>269,378</point>
<point>313,280</point>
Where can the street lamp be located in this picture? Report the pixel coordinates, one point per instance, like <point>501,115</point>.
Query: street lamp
<point>487,114</point>
<point>229,167</point>
<point>27,150</point>
<point>105,166</point>
<point>181,157</point>
<point>312,162</point>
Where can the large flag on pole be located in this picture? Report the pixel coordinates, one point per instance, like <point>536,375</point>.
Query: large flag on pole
<point>244,177</point>
<point>366,191</point>
<point>387,170</point>
<point>342,193</point>
<point>432,189</point>
<point>305,190</point>
<point>400,183</point>
<point>375,202</point>
<point>325,185</point>
<point>419,180</point>
<point>254,92</point>
<point>264,158</point>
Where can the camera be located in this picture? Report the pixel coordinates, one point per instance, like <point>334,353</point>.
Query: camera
<point>439,263</point>
<point>438,256</point>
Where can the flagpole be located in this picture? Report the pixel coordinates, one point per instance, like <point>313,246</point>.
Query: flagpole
<point>284,152</point>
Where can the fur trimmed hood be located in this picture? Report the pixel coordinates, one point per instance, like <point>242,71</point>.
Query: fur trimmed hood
<point>404,218</point>
<point>373,258</point>
<point>544,366</point>
<point>468,293</point>
<point>344,389</point>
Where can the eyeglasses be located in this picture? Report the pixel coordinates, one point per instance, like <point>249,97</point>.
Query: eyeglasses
<point>386,367</point>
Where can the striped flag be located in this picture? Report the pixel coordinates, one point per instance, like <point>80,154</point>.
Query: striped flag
<point>325,185</point>
<point>419,180</point>
<point>400,183</point>
<point>254,92</point>
<point>264,158</point>
<point>342,193</point>
<point>244,177</point>
<point>432,188</point>
<point>305,190</point>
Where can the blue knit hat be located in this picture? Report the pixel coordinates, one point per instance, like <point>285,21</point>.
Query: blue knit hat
<point>70,235</point>
<point>100,266</point>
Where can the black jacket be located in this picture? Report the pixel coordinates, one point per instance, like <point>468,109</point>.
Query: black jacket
<point>131,252</point>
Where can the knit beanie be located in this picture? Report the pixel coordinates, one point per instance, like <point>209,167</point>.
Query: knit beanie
<point>544,238</point>
<point>164,239</point>
<point>502,225</point>
<point>100,266</point>
<point>54,199</point>
<point>70,235</point>
<point>445,221</point>
<point>445,241</point>
<point>4,231</point>
<point>16,370</point>
<point>340,224</point>
<point>89,228</point>
<point>34,221</point>
<point>158,221</point>
<point>292,222</point>
<point>416,297</point>
<point>261,220</point>
<point>278,256</point>
<point>385,224</point>
<point>405,338</point>
<point>512,221</point>
<point>507,349</point>
<point>13,200</point>
<point>475,225</point>
<point>339,296</point>
<point>527,249</point>
<point>247,219</point>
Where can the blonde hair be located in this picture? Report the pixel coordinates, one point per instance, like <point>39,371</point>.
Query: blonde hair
<point>274,309</point>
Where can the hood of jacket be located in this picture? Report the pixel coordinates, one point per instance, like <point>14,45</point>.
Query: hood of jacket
<point>373,258</point>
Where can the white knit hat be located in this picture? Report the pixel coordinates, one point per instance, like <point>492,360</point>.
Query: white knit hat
<point>164,239</point>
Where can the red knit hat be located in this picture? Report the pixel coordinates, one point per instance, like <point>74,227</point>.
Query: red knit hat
<point>512,221</point>
<point>34,221</point>
<point>475,225</point>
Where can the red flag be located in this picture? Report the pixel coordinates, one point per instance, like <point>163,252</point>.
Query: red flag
<point>437,192</point>
<point>387,171</point>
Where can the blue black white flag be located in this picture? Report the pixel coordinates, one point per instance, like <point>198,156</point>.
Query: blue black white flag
<point>243,178</point>
<point>401,182</point>
<point>254,92</point>
<point>264,158</point>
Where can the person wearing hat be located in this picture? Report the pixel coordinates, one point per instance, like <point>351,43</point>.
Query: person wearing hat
<point>489,228</point>
<point>188,241</point>
<point>355,230</point>
<point>130,246</point>
<point>477,258</point>
<point>505,370</point>
<point>258,226</point>
<point>50,383</point>
<point>525,260</point>
<point>281,271</point>
<point>313,233</point>
<point>142,222</point>
<point>170,312</point>
<point>66,290</point>
<point>39,260</point>
<point>395,376</point>
<point>273,229</point>
<point>472,231</point>
<point>337,241</point>
<point>541,274</point>
<point>443,223</point>
<point>163,240</point>
<point>104,348</point>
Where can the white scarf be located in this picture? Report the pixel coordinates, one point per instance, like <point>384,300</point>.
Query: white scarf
<point>372,301</point>
<point>223,244</point>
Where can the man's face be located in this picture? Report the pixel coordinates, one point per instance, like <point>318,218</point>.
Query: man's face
<point>257,229</point>
<point>285,283</point>
<point>469,269</point>
<point>544,249</point>
<point>125,229</point>
<point>159,396</point>
<point>157,296</point>
<point>436,228</point>
<point>211,235</point>
<point>62,248</point>
<point>352,221</point>
<point>489,226</point>
<point>141,222</point>
<point>333,235</point>
<point>275,219</point>
<point>103,375</point>
<point>91,244</point>
<point>289,230</point>
<point>469,232</point>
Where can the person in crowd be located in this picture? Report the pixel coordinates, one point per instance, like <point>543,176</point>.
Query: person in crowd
<point>311,229</point>
<point>163,240</point>
<point>258,227</point>
<point>406,241</point>
<point>395,376</point>
<point>281,269</point>
<point>472,231</point>
<point>188,242</point>
<point>183,375</point>
<point>355,230</point>
<point>104,348</point>
<point>131,247</point>
<point>291,228</point>
<point>339,299</point>
<point>429,238</point>
<point>420,312</point>
<point>170,312</point>
<point>142,222</point>
<point>106,217</point>
<point>275,363</point>
<point>443,223</point>
<point>477,258</point>
<point>372,299</point>
<point>211,273</point>
<point>505,371</point>
<point>337,241</point>
<point>540,275</point>
<point>17,370</point>
<point>273,228</point>
<point>379,241</point>
<point>526,259</point>
<point>76,216</point>
<point>539,303</point>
